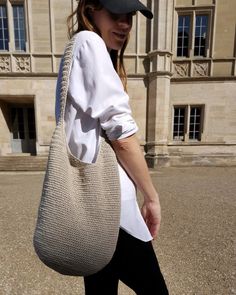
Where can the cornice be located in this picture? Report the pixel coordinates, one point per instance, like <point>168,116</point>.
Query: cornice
<point>27,75</point>
<point>203,79</point>
<point>173,144</point>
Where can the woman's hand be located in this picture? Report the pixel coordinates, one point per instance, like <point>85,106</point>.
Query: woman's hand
<point>151,212</point>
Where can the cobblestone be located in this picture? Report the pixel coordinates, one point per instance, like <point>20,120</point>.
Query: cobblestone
<point>195,248</point>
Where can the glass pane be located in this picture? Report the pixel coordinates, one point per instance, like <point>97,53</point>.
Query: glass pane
<point>22,34</point>
<point>21,24</point>
<point>197,42</point>
<point>179,42</point>
<point>181,120</point>
<point>14,12</point>
<point>22,46</point>
<point>198,111</point>
<point>185,34</point>
<point>6,47</point>
<point>15,23</point>
<point>16,35</point>
<point>21,11</point>
<point>5,24</point>
<point>3,10</point>
<point>197,31</point>
<point>203,41</point>
<point>185,51</point>
<point>17,44</point>
<point>204,20</point>
<point>185,42</point>
<point>179,52</point>
<point>202,51</point>
<point>176,120</point>
<point>198,21</point>
<point>175,127</point>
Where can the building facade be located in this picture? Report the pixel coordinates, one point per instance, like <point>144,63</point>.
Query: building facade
<point>181,68</point>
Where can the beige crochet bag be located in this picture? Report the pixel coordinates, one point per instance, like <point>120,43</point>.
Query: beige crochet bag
<point>79,213</point>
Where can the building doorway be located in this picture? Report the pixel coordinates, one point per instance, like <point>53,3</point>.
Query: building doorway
<point>23,133</point>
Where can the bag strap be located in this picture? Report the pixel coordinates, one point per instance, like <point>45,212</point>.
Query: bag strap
<point>66,68</point>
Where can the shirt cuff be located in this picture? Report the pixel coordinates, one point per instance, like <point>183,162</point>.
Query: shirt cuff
<point>119,130</point>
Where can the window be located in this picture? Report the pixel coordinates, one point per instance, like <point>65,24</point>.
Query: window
<point>200,35</point>
<point>4,38</point>
<point>14,21</point>
<point>187,123</point>
<point>19,27</point>
<point>193,35</point>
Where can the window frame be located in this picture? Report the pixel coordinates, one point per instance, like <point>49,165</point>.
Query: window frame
<point>193,13</point>
<point>186,137</point>
<point>11,34</point>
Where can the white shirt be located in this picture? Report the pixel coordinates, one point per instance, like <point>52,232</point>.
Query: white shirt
<point>97,101</point>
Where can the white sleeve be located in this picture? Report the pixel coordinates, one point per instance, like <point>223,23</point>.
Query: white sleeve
<point>97,90</point>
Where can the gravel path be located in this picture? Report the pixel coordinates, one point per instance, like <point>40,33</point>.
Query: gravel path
<point>196,247</point>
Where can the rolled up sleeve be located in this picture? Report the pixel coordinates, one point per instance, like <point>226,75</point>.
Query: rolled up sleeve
<point>96,89</point>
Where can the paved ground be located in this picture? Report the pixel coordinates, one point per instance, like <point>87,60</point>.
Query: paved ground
<point>196,245</point>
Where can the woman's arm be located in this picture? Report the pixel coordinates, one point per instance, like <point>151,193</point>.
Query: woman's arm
<point>131,158</point>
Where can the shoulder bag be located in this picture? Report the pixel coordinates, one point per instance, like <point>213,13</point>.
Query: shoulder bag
<point>79,213</point>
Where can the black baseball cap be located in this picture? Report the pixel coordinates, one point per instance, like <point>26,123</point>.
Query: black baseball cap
<point>126,6</point>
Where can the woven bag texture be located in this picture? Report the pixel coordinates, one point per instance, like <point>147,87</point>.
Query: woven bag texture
<point>79,212</point>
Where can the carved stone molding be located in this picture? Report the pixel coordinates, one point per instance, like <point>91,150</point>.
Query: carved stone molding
<point>181,70</point>
<point>22,64</point>
<point>200,69</point>
<point>5,64</point>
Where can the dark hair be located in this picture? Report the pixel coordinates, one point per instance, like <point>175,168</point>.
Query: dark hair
<point>80,20</point>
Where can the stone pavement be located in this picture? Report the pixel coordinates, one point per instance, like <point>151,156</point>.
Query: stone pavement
<point>195,248</point>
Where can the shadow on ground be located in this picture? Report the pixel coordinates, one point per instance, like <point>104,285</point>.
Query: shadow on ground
<point>195,248</point>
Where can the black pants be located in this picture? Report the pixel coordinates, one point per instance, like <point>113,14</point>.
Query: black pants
<point>135,264</point>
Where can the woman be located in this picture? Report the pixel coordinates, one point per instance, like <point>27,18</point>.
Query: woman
<point>97,102</point>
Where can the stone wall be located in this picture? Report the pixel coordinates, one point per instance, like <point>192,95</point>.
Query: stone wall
<point>157,78</point>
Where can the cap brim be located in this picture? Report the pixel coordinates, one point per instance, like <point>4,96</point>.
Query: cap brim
<point>126,6</point>
<point>147,13</point>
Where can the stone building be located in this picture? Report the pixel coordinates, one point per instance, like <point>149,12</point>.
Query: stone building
<point>181,68</point>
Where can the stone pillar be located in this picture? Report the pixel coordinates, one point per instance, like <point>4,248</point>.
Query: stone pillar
<point>158,104</point>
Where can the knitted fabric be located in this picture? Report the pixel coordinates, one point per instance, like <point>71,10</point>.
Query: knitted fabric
<point>79,212</point>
